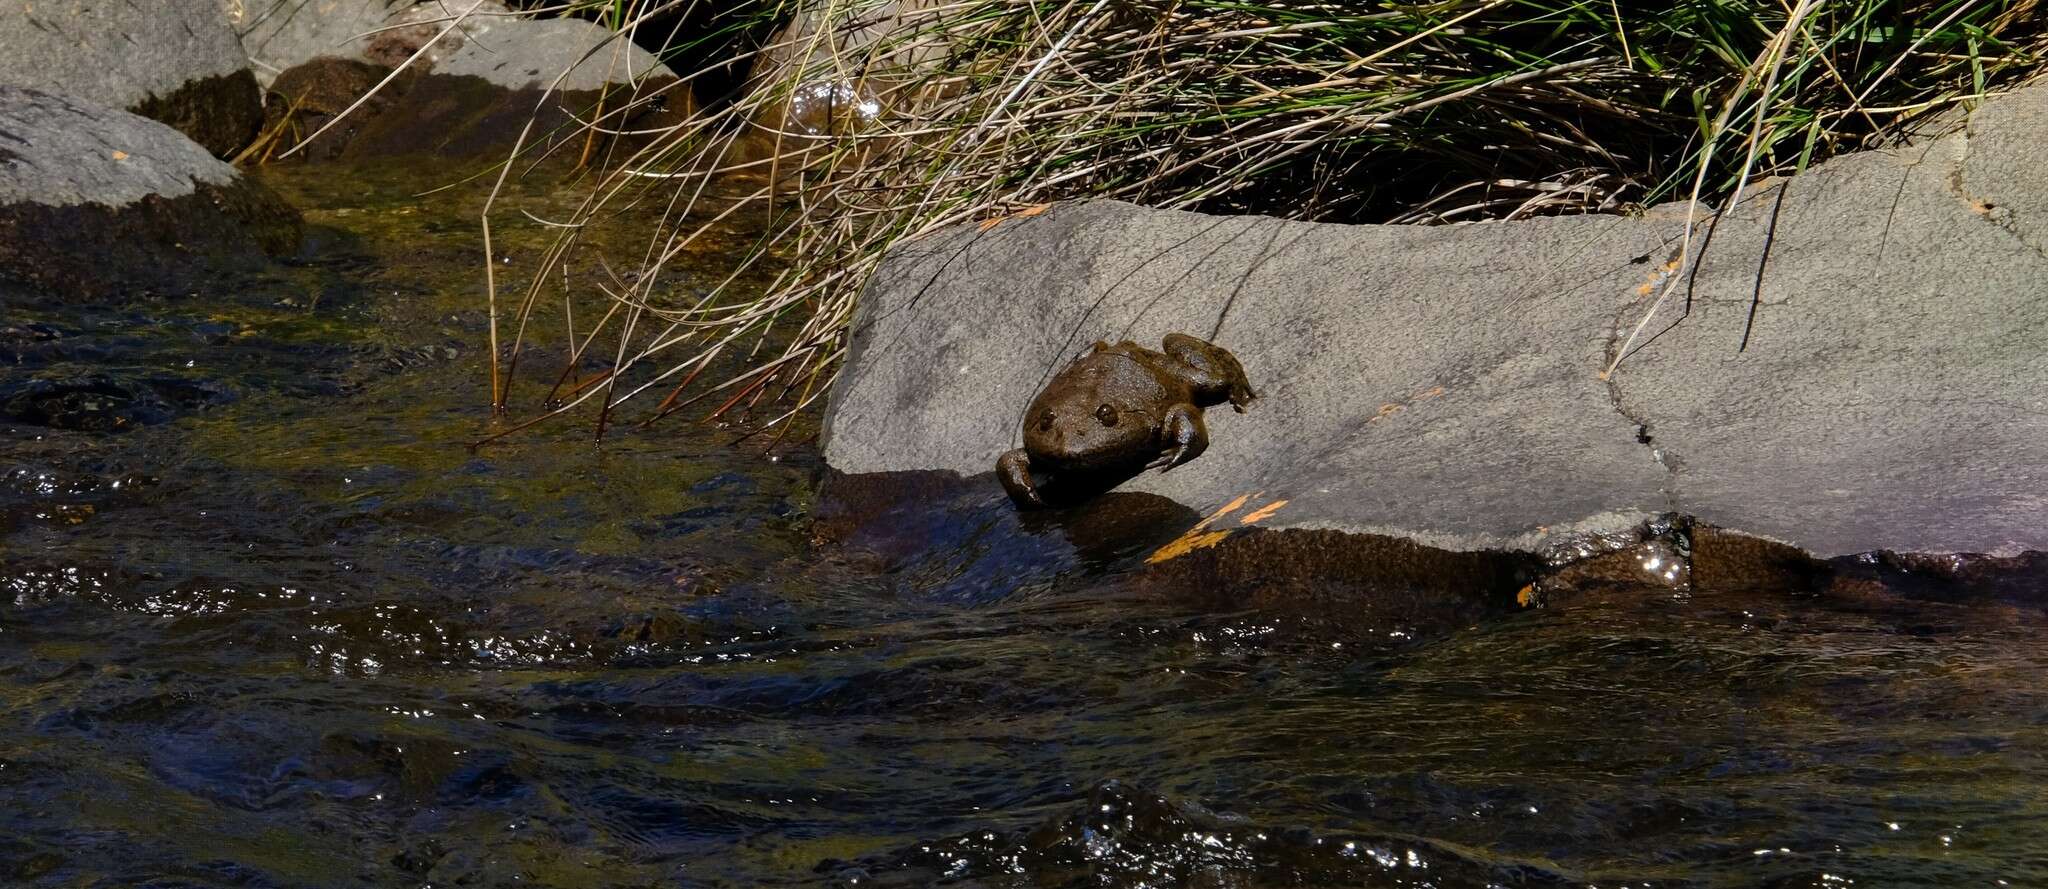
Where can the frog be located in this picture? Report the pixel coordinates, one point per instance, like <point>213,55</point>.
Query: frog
<point>1118,410</point>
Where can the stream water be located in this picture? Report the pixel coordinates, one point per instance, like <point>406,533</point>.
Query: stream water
<point>266,621</point>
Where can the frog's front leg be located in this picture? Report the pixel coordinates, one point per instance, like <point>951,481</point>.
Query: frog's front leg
<point>1184,435</point>
<point>1215,373</point>
<point>1013,469</point>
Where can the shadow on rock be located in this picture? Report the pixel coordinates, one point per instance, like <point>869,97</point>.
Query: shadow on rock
<point>961,537</point>
<point>1125,836</point>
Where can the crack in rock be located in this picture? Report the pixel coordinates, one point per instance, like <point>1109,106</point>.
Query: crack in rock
<point>2002,218</point>
<point>1617,332</point>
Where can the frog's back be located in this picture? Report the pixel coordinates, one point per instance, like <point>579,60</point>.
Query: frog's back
<point>1119,376</point>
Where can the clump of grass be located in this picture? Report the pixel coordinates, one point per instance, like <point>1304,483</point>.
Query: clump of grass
<point>886,121</point>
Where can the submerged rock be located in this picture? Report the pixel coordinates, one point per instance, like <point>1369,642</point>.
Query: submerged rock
<point>175,61</point>
<point>1854,365</point>
<point>113,401</point>
<point>96,202</point>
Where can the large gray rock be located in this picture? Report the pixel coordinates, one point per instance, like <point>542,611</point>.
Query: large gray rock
<point>490,42</point>
<point>1863,366</point>
<point>176,61</point>
<point>97,202</point>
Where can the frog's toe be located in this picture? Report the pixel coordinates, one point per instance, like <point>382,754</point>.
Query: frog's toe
<point>1185,436</point>
<point>1013,469</point>
<point>1241,396</point>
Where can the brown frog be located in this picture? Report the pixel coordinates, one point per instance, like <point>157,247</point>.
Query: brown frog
<point>1123,409</point>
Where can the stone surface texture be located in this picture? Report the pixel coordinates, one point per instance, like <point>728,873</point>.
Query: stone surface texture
<point>115,53</point>
<point>490,42</point>
<point>96,202</point>
<point>172,60</point>
<point>280,34</point>
<point>517,53</point>
<point>58,151</point>
<point>1858,361</point>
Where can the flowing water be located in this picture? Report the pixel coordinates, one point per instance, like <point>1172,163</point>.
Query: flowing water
<point>265,620</point>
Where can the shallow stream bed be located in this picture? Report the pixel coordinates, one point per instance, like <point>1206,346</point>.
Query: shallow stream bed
<point>266,620</point>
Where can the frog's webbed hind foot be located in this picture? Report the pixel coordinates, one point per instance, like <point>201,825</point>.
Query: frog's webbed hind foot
<point>1185,436</point>
<point>1013,469</point>
<point>1216,374</point>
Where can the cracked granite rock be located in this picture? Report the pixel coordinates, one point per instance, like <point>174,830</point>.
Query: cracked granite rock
<point>1859,363</point>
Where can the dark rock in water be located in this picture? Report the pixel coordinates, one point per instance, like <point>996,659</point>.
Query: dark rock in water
<point>1724,561</point>
<point>305,99</point>
<point>105,401</point>
<point>1358,585</point>
<point>447,115</point>
<point>1962,577</point>
<point>1854,364</point>
<point>97,203</point>
<point>174,61</point>
<point>220,113</point>
<point>1125,836</point>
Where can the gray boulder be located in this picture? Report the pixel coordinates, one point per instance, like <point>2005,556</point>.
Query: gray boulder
<point>518,53</point>
<point>504,49</point>
<point>1856,364</point>
<point>176,61</point>
<point>97,202</point>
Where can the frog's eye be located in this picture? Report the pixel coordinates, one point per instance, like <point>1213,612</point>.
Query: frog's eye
<point>1106,414</point>
<point>1045,420</point>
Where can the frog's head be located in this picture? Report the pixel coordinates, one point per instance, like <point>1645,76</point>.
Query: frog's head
<point>1089,433</point>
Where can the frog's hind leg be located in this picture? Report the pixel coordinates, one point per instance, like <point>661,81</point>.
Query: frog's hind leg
<point>1185,436</point>
<point>1013,469</point>
<point>1216,375</point>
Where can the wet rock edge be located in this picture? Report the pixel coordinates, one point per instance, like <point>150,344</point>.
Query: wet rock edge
<point>155,245</point>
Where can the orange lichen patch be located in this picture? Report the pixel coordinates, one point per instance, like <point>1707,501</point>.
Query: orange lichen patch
<point>1199,537</point>
<point>1187,543</point>
<point>1391,408</point>
<point>1262,513</point>
<point>1027,212</point>
<point>1650,282</point>
<point>1227,509</point>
